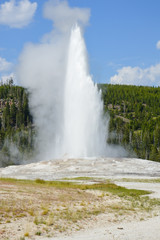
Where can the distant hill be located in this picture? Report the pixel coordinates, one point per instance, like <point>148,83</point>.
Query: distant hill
<point>134,118</point>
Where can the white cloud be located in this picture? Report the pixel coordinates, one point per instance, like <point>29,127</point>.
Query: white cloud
<point>5,78</point>
<point>138,76</point>
<point>4,65</point>
<point>158,45</point>
<point>5,70</point>
<point>63,16</point>
<point>17,14</point>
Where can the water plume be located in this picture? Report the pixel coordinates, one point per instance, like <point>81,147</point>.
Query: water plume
<point>84,129</point>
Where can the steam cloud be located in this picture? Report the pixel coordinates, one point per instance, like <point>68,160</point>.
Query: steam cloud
<point>42,70</point>
<point>65,17</point>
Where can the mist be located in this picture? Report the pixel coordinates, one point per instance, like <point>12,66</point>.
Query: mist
<point>42,70</point>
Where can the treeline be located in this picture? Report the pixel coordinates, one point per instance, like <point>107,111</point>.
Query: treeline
<point>16,130</point>
<point>134,118</point>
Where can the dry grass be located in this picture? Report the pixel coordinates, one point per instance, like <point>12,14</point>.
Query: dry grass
<point>47,208</point>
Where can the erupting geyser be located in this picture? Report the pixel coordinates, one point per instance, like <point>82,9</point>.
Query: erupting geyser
<point>84,130</point>
<point>65,103</point>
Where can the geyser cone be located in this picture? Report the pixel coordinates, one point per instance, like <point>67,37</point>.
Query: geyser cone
<point>84,128</point>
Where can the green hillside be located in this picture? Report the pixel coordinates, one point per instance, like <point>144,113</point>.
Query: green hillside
<point>134,121</point>
<point>16,131</point>
<point>134,118</point>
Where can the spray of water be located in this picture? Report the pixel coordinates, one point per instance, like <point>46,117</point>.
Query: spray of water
<point>84,130</point>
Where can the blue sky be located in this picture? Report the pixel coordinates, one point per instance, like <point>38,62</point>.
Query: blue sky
<point>122,37</point>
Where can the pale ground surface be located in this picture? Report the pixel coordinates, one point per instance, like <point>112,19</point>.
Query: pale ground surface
<point>102,227</point>
<point>144,230</point>
<point>89,167</point>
